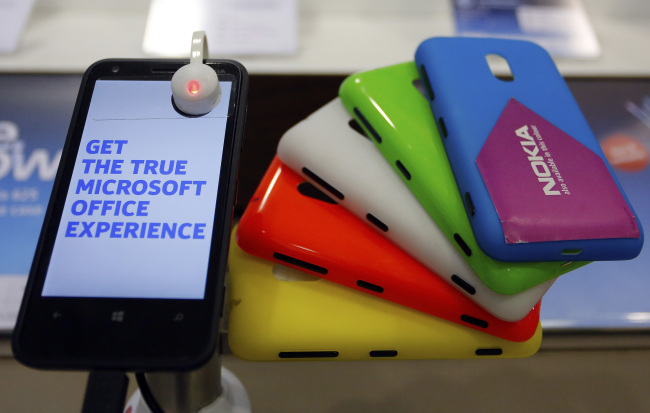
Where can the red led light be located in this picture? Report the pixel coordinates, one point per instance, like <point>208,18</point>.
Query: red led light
<point>193,87</point>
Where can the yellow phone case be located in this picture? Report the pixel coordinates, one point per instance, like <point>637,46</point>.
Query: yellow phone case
<point>279,313</point>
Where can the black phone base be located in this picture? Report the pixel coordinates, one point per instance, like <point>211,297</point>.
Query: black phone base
<point>210,389</point>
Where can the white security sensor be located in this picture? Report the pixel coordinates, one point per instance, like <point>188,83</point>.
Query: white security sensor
<point>195,87</point>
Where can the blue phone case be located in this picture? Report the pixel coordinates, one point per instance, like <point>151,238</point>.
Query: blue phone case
<point>535,183</point>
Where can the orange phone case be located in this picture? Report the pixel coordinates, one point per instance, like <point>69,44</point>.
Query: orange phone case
<point>291,222</point>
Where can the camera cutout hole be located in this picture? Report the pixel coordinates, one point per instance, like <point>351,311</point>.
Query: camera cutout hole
<point>499,67</point>
<point>284,273</point>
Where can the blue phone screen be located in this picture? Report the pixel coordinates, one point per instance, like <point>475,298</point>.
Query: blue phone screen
<point>139,212</point>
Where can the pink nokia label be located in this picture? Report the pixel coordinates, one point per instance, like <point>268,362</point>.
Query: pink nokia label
<point>547,186</point>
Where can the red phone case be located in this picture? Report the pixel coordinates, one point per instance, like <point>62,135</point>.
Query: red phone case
<point>284,225</point>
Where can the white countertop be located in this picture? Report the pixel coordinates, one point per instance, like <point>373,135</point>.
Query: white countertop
<point>335,36</point>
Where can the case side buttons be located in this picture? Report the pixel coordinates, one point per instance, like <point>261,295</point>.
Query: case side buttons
<point>442,127</point>
<point>462,244</point>
<point>470,204</point>
<point>405,172</point>
<point>367,125</point>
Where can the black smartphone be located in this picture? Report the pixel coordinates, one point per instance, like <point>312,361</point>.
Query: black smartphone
<point>129,269</point>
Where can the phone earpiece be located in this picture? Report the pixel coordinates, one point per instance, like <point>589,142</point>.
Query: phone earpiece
<point>195,87</point>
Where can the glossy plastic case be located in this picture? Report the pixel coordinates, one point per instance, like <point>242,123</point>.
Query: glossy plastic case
<point>535,183</point>
<point>277,313</point>
<point>389,106</point>
<point>325,150</point>
<point>287,223</point>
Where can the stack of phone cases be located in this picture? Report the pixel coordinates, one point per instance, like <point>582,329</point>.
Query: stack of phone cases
<point>535,183</point>
<point>402,194</point>
<point>291,224</point>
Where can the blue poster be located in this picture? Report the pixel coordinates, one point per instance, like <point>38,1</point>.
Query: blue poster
<point>35,113</point>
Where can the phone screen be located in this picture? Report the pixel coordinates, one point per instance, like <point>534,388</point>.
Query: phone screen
<point>139,211</point>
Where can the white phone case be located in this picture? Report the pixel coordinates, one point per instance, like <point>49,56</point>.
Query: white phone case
<point>328,152</point>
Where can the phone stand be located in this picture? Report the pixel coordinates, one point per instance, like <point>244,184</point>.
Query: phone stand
<point>210,389</point>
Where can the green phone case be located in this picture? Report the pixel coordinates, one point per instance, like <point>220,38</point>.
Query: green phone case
<point>396,116</point>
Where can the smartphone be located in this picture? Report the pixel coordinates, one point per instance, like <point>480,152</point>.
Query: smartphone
<point>278,313</point>
<point>129,269</point>
<point>334,156</point>
<point>390,105</point>
<point>535,183</point>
